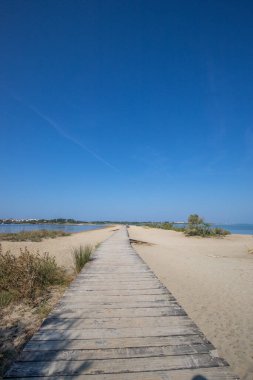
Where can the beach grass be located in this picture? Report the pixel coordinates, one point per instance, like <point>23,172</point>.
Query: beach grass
<point>35,236</point>
<point>31,284</point>
<point>81,256</point>
<point>28,275</point>
<point>5,298</point>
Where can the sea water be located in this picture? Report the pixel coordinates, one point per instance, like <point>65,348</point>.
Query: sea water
<point>69,228</point>
<point>244,229</point>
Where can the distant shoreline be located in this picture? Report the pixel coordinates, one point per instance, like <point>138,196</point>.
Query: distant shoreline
<point>235,229</point>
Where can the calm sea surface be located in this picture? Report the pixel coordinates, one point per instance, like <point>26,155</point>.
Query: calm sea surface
<point>11,228</point>
<point>243,229</point>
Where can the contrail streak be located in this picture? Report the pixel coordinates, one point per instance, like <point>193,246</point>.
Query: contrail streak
<point>60,131</point>
<point>70,138</point>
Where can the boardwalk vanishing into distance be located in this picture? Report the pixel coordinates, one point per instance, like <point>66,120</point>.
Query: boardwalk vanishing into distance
<point>117,321</point>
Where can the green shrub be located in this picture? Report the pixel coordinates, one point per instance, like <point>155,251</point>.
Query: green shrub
<point>220,232</point>
<point>195,220</point>
<point>32,235</point>
<point>201,230</point>
<point>28,275</point>
<point>81,256</point>
<point>197,227</point>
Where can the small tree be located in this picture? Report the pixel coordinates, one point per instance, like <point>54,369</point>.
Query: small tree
<point>197,226</point>
<point>195,220</point>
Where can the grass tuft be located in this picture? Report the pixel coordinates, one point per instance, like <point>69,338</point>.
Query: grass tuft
<point>81,256</point>
<point>5,298</point>
<point>32,235</point>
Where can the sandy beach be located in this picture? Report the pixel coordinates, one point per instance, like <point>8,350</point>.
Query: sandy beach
<point>213,280</point>
<point>62,247</point>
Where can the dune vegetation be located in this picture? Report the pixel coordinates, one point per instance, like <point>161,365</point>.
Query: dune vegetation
<point>81,256</point>
<point>27,276</point>
<point>30,286</point>
<point>196,226</point>
<point>36,236</point>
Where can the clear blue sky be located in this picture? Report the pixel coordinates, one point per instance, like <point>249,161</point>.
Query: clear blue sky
<point>126,109</point>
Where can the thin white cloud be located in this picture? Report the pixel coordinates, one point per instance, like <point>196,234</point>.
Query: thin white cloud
<point>64,134</point>
<point>60,131</point>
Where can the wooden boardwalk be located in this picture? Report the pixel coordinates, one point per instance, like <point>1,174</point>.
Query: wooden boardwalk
<point>117,321</point>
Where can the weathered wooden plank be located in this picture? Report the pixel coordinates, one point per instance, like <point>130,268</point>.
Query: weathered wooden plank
<point>93,298</point>
<point>108,287</point>
<point>93,344</point>
<point>136,280</point>
<point>115,284</point>
<point>119,279</point>
<point>122,270</point>
<point>116,313</point>
<point>111,305</point>
<point>114,333</point>
<point>114,353</point>
<point>119,366</point>
<point>213,373</point>
<point>122,322</point>
<point>113,281</point>
<point>126,276</point>
<point>121,265</point>
<point>115,272</point>
<point>114,292</point>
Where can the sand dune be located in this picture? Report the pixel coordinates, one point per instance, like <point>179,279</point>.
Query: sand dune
<point>213,280</point>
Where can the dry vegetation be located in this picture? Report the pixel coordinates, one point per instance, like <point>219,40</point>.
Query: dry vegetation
<point>81,256</point>
<point>30,286</point>
<point>32,235</point>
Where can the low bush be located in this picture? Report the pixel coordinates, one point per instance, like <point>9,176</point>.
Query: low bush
<point>81,256</point>
<point>32,235</point>
<point>165,226</point>
<point>197,227</point>
<point>220,232</point>
<point>201,230</point>
<point>28,275</point>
